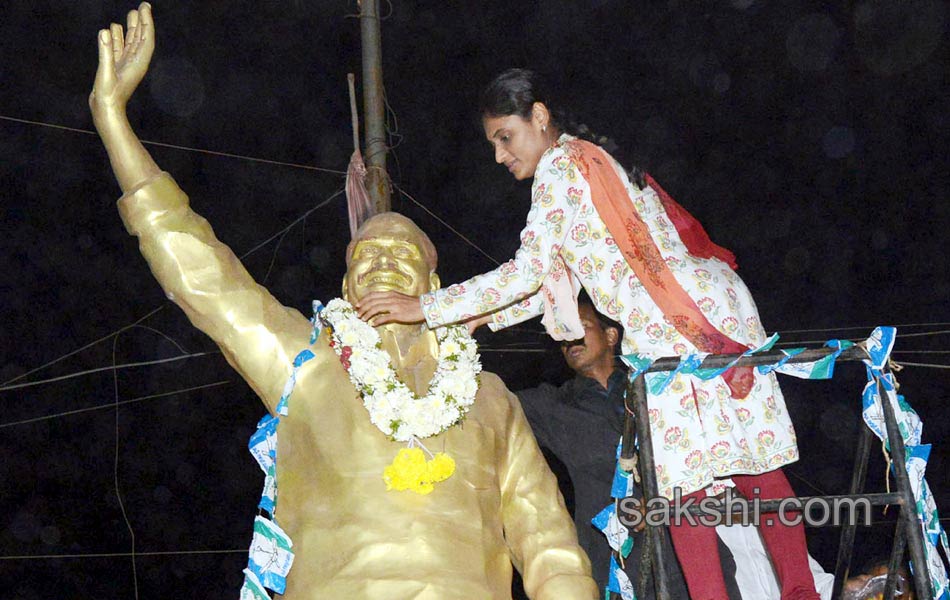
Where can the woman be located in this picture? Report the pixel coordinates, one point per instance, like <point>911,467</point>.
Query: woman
<point>647,264</point>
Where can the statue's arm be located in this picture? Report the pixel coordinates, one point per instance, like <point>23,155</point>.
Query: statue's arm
<point>258,336</point>
<point>538,529</point>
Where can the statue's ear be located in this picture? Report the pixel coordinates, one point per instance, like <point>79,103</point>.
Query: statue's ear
<point>343,294</point>
<point>434,281</point>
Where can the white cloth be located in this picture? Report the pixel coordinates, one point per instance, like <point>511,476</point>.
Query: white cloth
<point>754,573</point>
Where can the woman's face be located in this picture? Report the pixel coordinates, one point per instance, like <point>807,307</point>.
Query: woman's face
<point>519,142</point>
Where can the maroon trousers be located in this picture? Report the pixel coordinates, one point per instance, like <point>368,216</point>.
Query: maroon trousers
<point>698,552</point>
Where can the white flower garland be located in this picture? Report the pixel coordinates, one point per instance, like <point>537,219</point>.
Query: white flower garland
<point>392,406</point>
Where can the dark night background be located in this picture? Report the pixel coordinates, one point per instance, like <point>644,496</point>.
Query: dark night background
<point>809,137</point>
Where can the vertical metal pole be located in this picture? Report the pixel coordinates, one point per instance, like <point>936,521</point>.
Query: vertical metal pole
<point>374,109</point>
<point>893,565</point>
<point>628,450</point>
<point>637,392</point>
<point>645,578</point>
<point>858,478</point>
<point>908,510</point>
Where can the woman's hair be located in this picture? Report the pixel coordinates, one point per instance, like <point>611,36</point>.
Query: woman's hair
<point>515,91</point>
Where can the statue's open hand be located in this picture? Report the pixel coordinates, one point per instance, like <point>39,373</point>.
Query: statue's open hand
<point>123,60</point>
<point>379,308</point>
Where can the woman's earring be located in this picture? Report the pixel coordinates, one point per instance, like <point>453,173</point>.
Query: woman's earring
<point>544,128</point>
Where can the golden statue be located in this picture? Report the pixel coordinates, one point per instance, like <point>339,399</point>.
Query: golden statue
<point>351,537</point>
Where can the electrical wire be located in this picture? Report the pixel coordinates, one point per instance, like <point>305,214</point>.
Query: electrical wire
<point>452,229</point>
<point>118,490</point>
<point>288,227</point>
<point>916,364</point>
<point>121,554</point>
<point>144,363</point>
<point>862,327</point>
<point>899,335</point>
<point>112,404</point>
<point>6,385</point>
<point>185,148</point>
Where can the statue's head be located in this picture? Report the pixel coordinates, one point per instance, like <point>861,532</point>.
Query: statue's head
<point>389,253</point>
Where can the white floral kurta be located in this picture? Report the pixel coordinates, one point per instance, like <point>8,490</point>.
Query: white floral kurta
<point>699,431</point>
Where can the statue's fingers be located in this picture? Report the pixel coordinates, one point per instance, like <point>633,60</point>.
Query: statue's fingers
<point>118,41</point>
<point>105,74</point>
<point>135,32</point>
<point>146,27</point>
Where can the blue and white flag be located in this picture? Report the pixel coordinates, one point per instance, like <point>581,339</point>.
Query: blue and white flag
<point>299,361</point>
<point>270,555</point>
<point>619,583</point>
<point>252,589</point>
<point>263,447</point>
<point>623,481</point>
<point>315,322</point>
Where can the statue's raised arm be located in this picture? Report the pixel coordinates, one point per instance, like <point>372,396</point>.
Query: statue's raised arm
<point>123,62</point>
<point>257,335</point>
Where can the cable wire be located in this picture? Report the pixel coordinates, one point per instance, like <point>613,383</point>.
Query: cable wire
<point>452,229</point>
<point>120,554</point>
<point>862,327</point>
<point>144,363</point>
<point>118,492</point>
<point>294,222</point>
<point>899,335</point>
<point>112,404</point>
<point>185,148</point>
<point>805,481</point>
<point>916,364</point>
<point>6,385</point>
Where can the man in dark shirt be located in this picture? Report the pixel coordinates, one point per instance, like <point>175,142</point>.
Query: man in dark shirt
<point>581,422</point>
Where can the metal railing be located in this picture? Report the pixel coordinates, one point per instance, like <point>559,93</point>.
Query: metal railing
<point>908,531</point>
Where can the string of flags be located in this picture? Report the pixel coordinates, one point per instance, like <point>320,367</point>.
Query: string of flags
<point>879,347</point>
<point>271,554</point>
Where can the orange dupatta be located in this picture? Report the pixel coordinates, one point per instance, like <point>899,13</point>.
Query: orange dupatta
<point>610,198</point>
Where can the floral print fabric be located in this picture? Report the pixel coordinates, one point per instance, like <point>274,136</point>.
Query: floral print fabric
<point>699,431</point>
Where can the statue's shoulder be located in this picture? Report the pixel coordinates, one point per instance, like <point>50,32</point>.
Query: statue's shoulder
<point>492,391</point>
<point>321,352</point>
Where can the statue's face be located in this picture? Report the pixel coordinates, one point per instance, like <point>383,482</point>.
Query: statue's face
<point>386,263</point>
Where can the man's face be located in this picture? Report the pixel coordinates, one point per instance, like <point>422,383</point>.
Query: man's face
<point>597,344</point>
<point>385,263</point>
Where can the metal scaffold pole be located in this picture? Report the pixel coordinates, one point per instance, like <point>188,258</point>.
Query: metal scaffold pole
<point>374,108</point>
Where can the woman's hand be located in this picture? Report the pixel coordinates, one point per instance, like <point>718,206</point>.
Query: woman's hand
<point>477,322</point>
<point>123,61</point>
<point>379,308</point>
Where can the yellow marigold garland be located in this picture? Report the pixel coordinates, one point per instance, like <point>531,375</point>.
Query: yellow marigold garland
<point>411,471</point>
